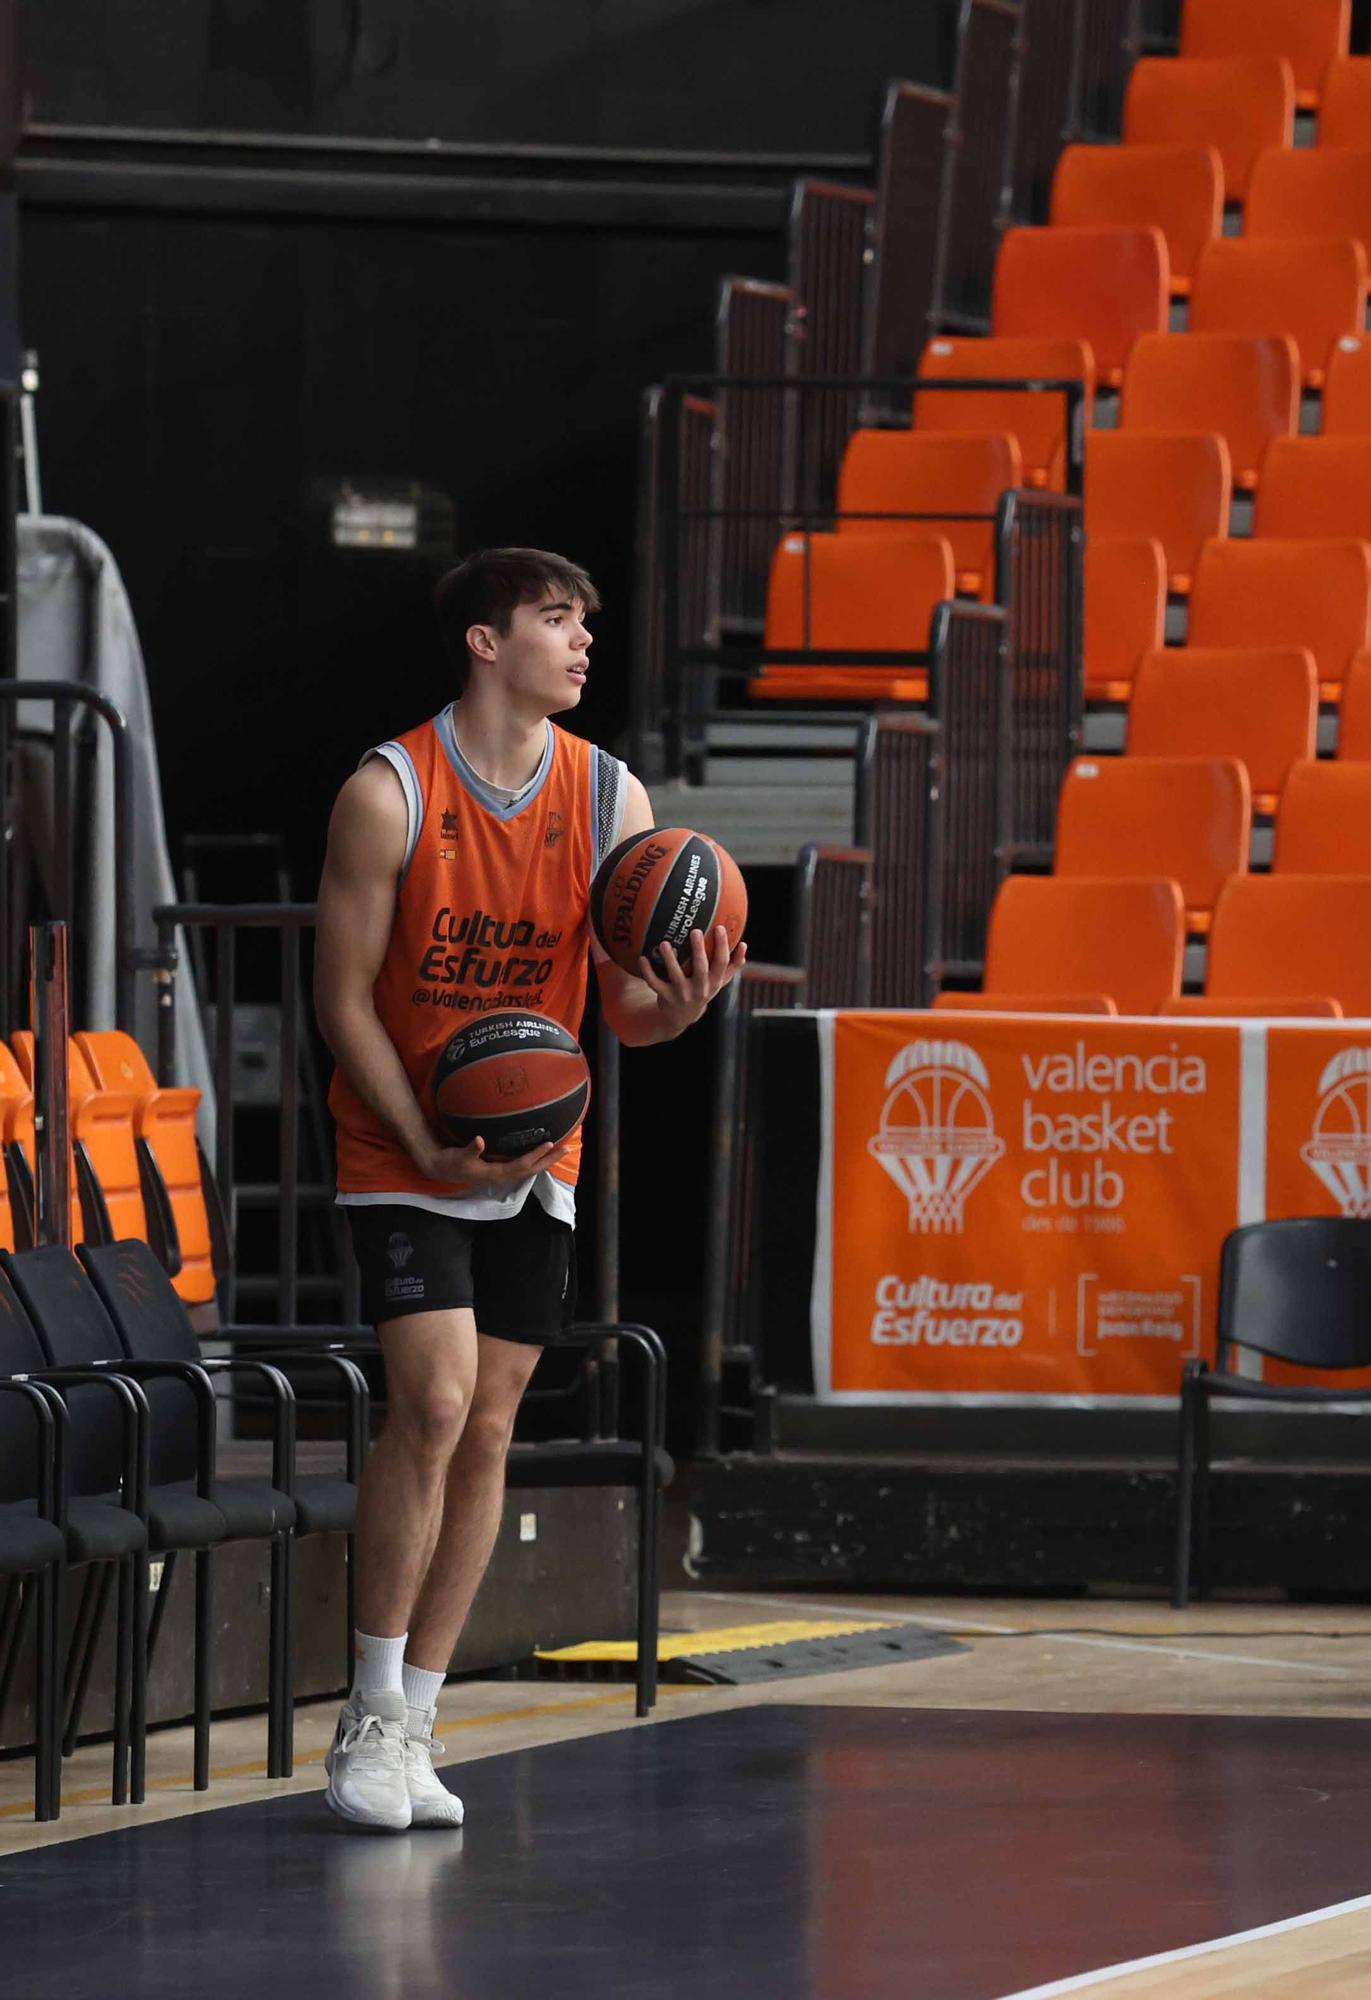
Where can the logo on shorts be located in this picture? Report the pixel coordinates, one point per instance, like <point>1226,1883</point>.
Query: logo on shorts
<point>399,1249</point>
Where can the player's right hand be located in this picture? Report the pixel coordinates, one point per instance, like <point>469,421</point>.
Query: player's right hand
<point>467,1165</point>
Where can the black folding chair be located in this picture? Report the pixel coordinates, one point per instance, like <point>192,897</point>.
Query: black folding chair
<point>33,1545</point>
<point>1299,1291</point>
<point>188,1506</point>
<point>103,1490</point>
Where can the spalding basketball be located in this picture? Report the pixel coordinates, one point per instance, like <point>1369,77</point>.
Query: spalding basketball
<point>655,888</point>
<point>517,1081</point>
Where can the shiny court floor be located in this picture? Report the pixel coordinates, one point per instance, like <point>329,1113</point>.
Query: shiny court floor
<point>1048,1804</point>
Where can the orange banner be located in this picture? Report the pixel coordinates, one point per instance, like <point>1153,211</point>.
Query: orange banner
<point>1017,1206</point>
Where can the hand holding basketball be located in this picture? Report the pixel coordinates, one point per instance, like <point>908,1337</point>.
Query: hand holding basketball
<point>468,1166</point>
<point>683,995</point>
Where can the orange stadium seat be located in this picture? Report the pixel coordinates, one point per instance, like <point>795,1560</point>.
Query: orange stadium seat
<point>1239,104</point>
<point>1036,418</point>
<point>1308,33</point>
<point>1260,705</point>
<point>1104,286</point>
<point>1175,188</point>
<point>887,473</point>
<point>1324,824</point>
<point>1052,936</point>
<point>1026,1003</point>
<point>1316,486</point>
<point>16,1134</point>
<point>1315,291</point>
<point>1286,593</point>
<point>1345,103</point>
<point>1290,937</point>
<point>863,590</point>
<point>165,1121</point>
<point>1175,489</point>
<point>1198,1004</point>
<point>1354,716</point>
<point>1347,390</point>
<point>1125,610</point>
<point>1186,817</point>
<point>1313,192</point>
<point>1248,390</point>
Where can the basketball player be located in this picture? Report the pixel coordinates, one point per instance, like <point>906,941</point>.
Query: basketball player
<point>460,858</point>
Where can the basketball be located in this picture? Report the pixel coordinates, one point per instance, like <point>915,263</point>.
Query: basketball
<point>516,1081</point>
<point>655,888</point>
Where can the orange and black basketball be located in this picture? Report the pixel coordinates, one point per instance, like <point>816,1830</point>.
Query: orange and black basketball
<point>655,888</point>
<point>516,1081</point>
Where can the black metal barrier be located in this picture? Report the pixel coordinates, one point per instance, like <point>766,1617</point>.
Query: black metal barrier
<point>827,270</point>
<point>899,817</point>
<point>67,699</point>
<point>1039,580</point>
<point>834,896</point>
<point>726,1334</point>
<point>970,698</point>
<point>694,662</point>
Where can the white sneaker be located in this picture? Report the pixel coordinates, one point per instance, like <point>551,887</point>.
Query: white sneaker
<point>366,1764</point>
<point>431,1803</point>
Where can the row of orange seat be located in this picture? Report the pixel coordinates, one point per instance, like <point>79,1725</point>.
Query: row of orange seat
<point>1278,945</point>
<point>1191,818</point>
<point>1311,36</point>
<point>136,1168</point>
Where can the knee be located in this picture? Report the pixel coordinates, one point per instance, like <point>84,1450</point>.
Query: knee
<point>485,1441</point>
<point>433,1421</point>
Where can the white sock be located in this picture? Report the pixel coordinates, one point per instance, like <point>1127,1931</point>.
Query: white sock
<point>421,1687</point>
<point>377,1665</point>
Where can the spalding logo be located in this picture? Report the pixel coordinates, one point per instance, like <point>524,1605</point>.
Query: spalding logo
<point>629,887</point>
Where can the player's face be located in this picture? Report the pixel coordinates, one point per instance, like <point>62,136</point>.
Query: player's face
<point>544,658</point>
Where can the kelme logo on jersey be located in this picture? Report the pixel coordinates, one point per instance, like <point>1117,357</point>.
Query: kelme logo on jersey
<point>478,951</point>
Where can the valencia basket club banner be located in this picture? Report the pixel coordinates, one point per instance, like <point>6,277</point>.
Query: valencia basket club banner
<point>1015,1206</point>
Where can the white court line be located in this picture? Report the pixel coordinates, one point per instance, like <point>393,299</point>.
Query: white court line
<point>1034,1632</point>
<point>1081,1980</point>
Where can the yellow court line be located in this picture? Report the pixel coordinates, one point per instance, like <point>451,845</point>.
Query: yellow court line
<point>723,1639</point>
<point>94,1794</point>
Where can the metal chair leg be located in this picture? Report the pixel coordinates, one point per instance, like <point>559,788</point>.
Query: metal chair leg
<point>1200,1555</point>
<point>123,1679</point>
<point>19,1609</point>
<point>90,1623</point>
<point>280,1735</point>
<point>351,1610</point>
<point>204,1627</point>
<point>47,1777</point>
<point>138,1690</point>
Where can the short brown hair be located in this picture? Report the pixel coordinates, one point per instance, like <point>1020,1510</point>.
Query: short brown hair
<point>486,587</point>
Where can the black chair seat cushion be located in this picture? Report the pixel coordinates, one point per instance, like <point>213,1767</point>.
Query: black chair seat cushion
<point>26,1543</point>
<point>102,1530</point>
<point>179,1519</point>
<point>568,1462</point>
<point>253,1508</point>
<point>325,1503</point>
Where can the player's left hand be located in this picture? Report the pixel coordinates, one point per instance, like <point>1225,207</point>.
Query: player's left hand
<point>684,992</point>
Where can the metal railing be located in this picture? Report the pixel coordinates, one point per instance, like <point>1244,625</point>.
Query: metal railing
<point>1039,567</point>
<point>834,896</point>
<point>728,1304</point>
<point>753,464</point>
<point>986,91</point>
<point>899,817</point>
<point>1049,66</point>
<point>67,700</point>
<point>908,240</point>
<point>1109,41</point>
<point>827,270</point>
<point>970,699</point>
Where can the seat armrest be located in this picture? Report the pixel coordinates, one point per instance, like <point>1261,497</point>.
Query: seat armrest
<point>50,1424</point>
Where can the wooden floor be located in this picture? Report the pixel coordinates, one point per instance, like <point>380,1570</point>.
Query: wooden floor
<point>1078,1657</point>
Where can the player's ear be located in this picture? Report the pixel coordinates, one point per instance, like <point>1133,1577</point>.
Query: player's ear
<point>481,641</point>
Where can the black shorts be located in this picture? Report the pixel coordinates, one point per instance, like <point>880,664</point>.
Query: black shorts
<point>518,1273</point>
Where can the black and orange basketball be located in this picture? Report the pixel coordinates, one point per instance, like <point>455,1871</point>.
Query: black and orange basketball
<point>655,888</point>
<point>515,1080</point>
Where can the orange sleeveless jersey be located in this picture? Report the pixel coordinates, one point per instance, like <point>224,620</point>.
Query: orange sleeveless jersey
<point>491,914</point>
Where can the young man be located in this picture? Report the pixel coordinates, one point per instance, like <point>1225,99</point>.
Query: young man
<point>441,844</point>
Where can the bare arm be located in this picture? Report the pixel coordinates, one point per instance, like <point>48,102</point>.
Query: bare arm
<point>366,851</point>
<point>645,1007</point>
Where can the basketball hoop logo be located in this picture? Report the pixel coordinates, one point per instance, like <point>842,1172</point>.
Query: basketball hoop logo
<point>937,1139</point>
<point>1339,1151</point>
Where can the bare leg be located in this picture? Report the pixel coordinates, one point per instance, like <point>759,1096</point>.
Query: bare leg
<point>472,1505</point>
<point>430,1373</point>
